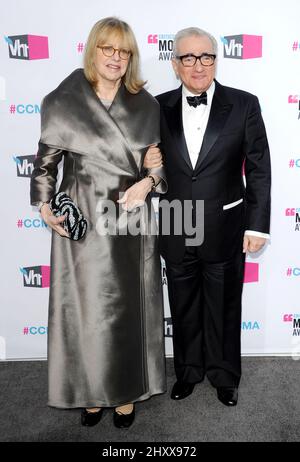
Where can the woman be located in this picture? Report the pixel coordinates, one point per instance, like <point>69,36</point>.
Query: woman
<point>105,344</point>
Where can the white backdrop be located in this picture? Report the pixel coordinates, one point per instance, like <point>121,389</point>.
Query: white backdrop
<point>42,42</point>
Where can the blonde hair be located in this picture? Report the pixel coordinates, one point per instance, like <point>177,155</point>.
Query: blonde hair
<point>101,31</point>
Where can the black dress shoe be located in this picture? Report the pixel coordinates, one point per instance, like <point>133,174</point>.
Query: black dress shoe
<point>228,395</point>
<point>123,420</point>
<point>89,419</point>
<point>182,389</point>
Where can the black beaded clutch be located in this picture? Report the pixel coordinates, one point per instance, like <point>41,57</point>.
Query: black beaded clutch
<point>75,224</point>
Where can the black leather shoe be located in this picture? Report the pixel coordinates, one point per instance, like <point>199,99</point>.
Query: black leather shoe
<point>123,420</point>
<point>89,419</point>
<point>182,389</point>
<point>228,395</point>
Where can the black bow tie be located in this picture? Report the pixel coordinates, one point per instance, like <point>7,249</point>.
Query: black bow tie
<point>197,100</point>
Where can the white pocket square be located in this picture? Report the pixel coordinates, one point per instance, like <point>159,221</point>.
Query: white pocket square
<point>232,204</point>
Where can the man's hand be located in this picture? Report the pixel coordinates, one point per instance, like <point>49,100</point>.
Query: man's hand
<point>253,243</point>
<point>153,157</point>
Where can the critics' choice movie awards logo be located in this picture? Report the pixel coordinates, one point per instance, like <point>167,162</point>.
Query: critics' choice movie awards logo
<point>296,45</point>
<point>80,47</point>
<point>24,109</point>
<point>36,276</point>
<point>35,330</point>
<point>293,272</point>
<point>31,223</point>
<point>27,47</point>
<point>294,215</point>
<point>294,320</point>
<point>163,43</point>
<point>24,165</point>
<point>242,46</point>
<point>250,325</point>
<point>294,163</point>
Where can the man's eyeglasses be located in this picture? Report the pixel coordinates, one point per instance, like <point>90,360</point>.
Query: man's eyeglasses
<point>110,51</point>
<point>190,60</point>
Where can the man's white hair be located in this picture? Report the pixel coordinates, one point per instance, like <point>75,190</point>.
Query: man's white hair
<point>193,31</point>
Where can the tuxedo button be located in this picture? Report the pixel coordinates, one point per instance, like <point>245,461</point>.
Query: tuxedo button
<point>194,178</point>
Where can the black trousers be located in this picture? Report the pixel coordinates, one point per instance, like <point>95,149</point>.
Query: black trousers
<point>205,303</point>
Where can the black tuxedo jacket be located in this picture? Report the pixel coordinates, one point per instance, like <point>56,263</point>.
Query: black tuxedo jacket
<point>235,137</point>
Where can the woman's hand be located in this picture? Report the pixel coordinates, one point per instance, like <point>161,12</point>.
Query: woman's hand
<point>53,221</point>
<point>153,157</point>
<point>135,195</point>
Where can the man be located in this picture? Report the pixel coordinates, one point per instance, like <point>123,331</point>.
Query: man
<point>208,133</point>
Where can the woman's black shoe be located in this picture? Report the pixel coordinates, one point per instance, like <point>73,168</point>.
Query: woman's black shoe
<point>89,419</point>
<point>123,420</point>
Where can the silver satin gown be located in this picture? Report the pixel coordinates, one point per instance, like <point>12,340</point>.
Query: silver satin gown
<point>105,331</point>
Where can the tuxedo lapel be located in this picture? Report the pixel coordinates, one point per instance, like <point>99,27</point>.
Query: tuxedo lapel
<point>219,113</point>
<point>173,111</point>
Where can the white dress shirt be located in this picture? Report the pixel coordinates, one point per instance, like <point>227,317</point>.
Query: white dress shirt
<point>195,121</point>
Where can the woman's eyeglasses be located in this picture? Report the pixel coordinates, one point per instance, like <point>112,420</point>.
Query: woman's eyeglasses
<point>110,51</point>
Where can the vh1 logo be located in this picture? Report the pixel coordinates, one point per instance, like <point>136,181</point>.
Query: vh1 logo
<point>242,46</point>
<point>25,165</point>
<point>28,47</point>
<point>36,276</point>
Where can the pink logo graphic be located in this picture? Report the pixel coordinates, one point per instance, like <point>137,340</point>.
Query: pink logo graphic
<point>293,99</point>
<point>38,47</point>
<point>251,272</point>
<point>252,46</point>
<point>242,46</point>
<point>290,212</point>
<point>45,271</point>
<point>28,47</point>
<point>152,38</point>
<point>287,318</point>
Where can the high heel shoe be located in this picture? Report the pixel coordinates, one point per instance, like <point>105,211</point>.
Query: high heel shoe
<point>89,419</point>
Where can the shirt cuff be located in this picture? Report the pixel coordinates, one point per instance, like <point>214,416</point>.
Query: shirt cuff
<point>248,232</point>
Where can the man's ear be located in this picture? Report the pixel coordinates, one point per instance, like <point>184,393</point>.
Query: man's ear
<point>175,67</point>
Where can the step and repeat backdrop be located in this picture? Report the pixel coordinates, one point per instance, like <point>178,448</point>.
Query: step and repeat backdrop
<point>259,51</point>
